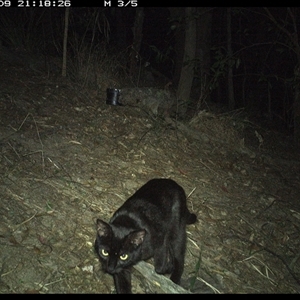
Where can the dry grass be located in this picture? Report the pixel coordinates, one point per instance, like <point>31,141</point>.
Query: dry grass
<point>69,159</point>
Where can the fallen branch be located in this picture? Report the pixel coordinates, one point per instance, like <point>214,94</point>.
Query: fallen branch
<point>165,284</point>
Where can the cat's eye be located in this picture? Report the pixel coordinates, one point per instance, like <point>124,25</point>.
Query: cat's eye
<point>104,252</point>
<point>124,256</point>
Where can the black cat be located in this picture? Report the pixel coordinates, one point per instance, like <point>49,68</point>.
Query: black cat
<point>151,223</point>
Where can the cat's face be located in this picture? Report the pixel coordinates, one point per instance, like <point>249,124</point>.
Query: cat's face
<point>117,248</point>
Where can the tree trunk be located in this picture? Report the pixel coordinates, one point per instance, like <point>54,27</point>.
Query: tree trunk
<point>134,56</point>
<point>204,19</point>
<point>297,108</point>
<point>187,70</point>
<point>231,101</point>
<point>64,62</point>
<point>177,16</point>
<point>294,39</point>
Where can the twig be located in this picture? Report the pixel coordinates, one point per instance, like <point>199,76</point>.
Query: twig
<point>293,274</point>
<point>42,151</point>
<point>143,136</point>
<point>256,268</point>
<point>191,193</point>
<point>19,225</point>
<point>209,285</point>
<point>23,122</point>
<point>208,167</point>
<point>13,149</point>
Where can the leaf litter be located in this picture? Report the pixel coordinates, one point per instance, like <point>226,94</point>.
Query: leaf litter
<point>68,158</point>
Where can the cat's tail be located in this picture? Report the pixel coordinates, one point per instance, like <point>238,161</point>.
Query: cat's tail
<point>190,218</point>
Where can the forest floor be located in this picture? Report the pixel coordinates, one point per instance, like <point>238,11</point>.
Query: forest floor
<point>68,158</point>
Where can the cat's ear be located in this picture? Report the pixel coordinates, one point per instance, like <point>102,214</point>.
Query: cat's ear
<point>103,228</point>
<point>137,237</point>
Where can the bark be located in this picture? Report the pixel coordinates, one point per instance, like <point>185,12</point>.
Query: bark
<point>64,63</point>
<point>134,56</point>
<point>187,70</point>
<point>297,109</point>
<point>177,16</point>
<point>231,101</point>
<point>203,46</point>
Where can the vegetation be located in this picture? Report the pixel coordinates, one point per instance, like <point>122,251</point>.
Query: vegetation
<point>236,58</point>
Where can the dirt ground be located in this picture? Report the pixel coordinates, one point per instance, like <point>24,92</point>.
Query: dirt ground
<point>68,158</point>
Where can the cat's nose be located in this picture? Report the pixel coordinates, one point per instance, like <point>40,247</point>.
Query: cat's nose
<point>111,267</point>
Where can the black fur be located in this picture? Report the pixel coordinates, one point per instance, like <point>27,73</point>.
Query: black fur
<point>151,223</point>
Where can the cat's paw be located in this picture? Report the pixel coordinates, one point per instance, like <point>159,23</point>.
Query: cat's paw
<point>164,268</point>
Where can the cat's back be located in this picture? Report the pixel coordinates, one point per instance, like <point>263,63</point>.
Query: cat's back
<point>158,186</point>
<point>158,197</point>
<point>159,191</point>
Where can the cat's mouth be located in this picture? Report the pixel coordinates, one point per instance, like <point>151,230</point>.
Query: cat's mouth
<point>113,270</point>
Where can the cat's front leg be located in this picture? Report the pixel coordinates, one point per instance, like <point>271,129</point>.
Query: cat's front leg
<point>162,261</point>
<point>123,281</point>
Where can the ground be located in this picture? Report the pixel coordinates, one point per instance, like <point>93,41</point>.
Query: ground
<point>68,158</point>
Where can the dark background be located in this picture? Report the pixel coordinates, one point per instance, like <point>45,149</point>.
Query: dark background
<point>264,60</point>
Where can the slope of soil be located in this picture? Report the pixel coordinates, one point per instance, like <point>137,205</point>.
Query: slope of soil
<point>68,158</point>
